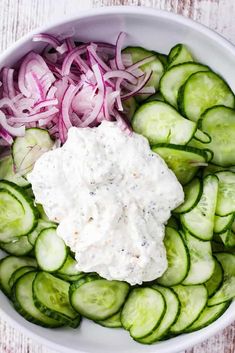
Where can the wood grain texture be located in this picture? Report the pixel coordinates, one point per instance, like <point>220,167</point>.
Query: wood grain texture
<point>17,17</point>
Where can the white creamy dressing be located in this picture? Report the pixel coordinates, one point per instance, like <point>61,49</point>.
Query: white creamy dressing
<point>111,196</point>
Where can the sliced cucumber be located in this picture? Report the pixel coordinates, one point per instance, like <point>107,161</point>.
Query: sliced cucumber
<point>161,123</point>
<point>18,216</point>
<point>179,54</point>
<point>228,238</point>
<point>19,273</point>
<point>202,137</point>
<point>170,316</point>
<point>201,91</point>
<point>173,223</point>
<point>50,250</point>
<point>223,223</point>
<point>208,315</point>
<point>175,77</point>
<point>155,97</point>
<point>27,149</point>
<point>184,161</point>
<point>112,322</point>
<point>202,263</point>
<point>219,123</point>
<point>177,257</point>
<point>226,193</point>
<point>51,297</point>
<point>155,66</point>
<point>192,195</point>
<point>143,312</point>
<point>200,220</point>
<point>98,299</point>
<point>129,107</point>
<point>32,236</point>
<point>8,266</point>
<point>20,247</point>
<point>193,300</point>
<point>69,268</point>
<point>163,58</point>
<point>24,304</point>
<point>7,172</point>
<point>215,280</point>
<point>227,290</point>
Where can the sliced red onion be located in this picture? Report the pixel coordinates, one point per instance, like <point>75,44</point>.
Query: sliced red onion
<point>91,50</point>
<point>66,104</point>
<point>74,54</point>
<point>121,74</point>
<point>99,98</point>
<point>8,82</point>
<point>138,87</point>
<point>7,138</point>
<point>139,63</point>
<point>118,52</point>
<point>48,38</point>
<point>34,117</point>
<point>12,130</point>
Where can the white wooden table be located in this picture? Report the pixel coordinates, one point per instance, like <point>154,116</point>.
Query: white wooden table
<point>17,17</point>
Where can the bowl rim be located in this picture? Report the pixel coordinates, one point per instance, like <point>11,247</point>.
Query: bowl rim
<point>124,10</point>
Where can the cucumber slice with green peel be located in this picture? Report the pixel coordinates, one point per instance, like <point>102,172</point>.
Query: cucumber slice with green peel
<point>20,247</point>
<point>221,224</point>
<point>202,263</point>
<point>155,66</point>
<point>19,273</point>
<point>161,123</point>
<point>42,213</point>
<point>226,193</point>
<point>219,123</point>
<point>173,223</point>
<point>170,316</point>
<point>112,322</point>
<point>214,282</point>
<point>27,149</point>
<point>228,238</point>
<point>227,290</point>
<point>32,236</point>
<point>202,137</point>
<point>177,257</point>
<point>50,250</point>
<point>184,161</point>
<point>51,297</point>
<point>155,97</point>
<point>175,77</point>
<point>96,298</point>
<point>202,91</point>
<point>192,195</point>
<point>193,300</point>
<point>7,172</point>
<point>163,58</point>
<point>24,303</point>
<point>208,315</point>
<point>129,107</point>
<point>212,169</point>
<point>18,215</point>
<point>70,267</point>
<point>143,312</point>
<point>200,220</point>
<point>179,54</point>
<point>8,266</point>
<point>70,278</point>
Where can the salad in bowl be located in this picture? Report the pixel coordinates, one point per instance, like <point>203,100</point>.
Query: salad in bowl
<point>117,190</point>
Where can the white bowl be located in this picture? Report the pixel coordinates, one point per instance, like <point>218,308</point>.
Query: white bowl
<point>155,30</point>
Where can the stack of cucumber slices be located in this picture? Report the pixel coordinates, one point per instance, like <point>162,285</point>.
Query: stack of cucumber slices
<point>190,123</point>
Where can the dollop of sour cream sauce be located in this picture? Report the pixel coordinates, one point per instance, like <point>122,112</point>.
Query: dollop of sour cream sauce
<point>112,197</point>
